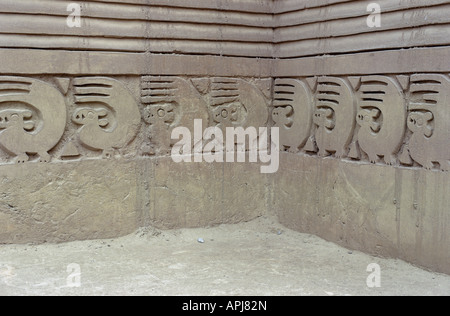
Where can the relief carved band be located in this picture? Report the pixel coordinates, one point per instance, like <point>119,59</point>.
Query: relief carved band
<point>223,102</point>
<point>399,120</point>
<point>396,120</point>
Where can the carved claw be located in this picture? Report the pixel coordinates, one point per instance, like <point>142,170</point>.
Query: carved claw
<point>22,158</point>
<point>108,153</point>
<point>323,153</point>
<point>44,157</point>
<point>445,165</point>
<point>340,153</point>
<point>373,159</point>
<point>390,159</point>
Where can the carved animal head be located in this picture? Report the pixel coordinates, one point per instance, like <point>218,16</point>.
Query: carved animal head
<point>91,116</point>
<point>9,118</point>
<point>368,119</point>
<point>161,112</point>
<point>226,113</point>
<point>282,116</point>
<point>323,117</point>
<point>419,122</point>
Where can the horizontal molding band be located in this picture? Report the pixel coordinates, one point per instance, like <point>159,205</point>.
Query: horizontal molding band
<point>125,11</point>
<point>136,45</point>
<point>56,26</point>
<point>350,9</point>
<point>430,35</point>
<point>413,60</point>
<point>260,6</point>
<point>283,6</point>
<point>24,61</point>
<point>396,20</point>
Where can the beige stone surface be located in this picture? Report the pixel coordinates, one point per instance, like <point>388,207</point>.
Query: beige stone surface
<point>201,194</point>
<point>67,201</point>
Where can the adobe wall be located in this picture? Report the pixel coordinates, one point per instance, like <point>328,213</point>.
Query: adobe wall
<point>365,127</point>
<point>86,116</point>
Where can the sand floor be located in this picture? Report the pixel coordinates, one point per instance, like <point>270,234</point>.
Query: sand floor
<point>256,258</point>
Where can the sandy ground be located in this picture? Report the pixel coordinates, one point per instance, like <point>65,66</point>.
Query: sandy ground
<point>256,258</point>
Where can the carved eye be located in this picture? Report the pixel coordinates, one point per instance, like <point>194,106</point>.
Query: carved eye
<point>161,112</point>
<point>224,113</point>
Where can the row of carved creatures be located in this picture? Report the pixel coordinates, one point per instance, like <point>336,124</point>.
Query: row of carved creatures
<point>392,119</point>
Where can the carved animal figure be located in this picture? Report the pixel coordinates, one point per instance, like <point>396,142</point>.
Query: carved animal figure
<point>237,94</point>
<point>18,134</point>
<point>382,117</point>
<point>188,104</point>
<point>244,103</point>
<point>292,113</point>
<point>334,117</point>
<point>98,132</point>
<point>429,120</point>
<point>160,117</point>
